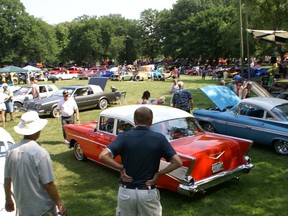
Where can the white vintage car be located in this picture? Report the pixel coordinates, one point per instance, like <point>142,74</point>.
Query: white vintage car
<point>5,141</point>
<point>25,94</point>
<point>62,76</point>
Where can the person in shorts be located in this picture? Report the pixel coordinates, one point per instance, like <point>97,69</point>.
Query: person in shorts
<point>3,98</point>
<point>9,102</point>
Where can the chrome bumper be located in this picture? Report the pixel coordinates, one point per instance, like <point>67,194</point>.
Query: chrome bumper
<point>200,186</point>
<point>67,143</point>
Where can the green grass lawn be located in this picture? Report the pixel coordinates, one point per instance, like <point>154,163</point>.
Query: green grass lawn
<point>90,189</point>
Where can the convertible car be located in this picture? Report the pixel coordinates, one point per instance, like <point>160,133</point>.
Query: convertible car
<point>208,159</point>
<point>5,141</point>
<point>261,119</point>
<point>86,97</point>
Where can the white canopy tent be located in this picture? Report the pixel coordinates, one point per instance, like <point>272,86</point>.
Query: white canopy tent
<point>275,36</point>
<point>30,68</point>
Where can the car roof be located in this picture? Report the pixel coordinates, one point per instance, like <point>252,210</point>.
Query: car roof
<point>75,86</point>
<point>266,102</point>
<point>96,88</point>
<point>160,113</point>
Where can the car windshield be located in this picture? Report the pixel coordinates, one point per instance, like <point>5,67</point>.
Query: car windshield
<point>22,91</point>
<point>60,92</point>
<point>281,111</point>
<point>176,128</point>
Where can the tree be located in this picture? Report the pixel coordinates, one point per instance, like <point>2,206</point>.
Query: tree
<point>41,43</point>
<point>14,22</point>
<point>151,40</point>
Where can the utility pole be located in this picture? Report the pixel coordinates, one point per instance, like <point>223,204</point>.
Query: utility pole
<point>247,39</point>
<point>241,39</point>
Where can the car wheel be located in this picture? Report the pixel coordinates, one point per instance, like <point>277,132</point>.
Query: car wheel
<point>54,112</point>
<point>17,106</point>
<point>78,152</point>
<point>281,147</point>
<point>103,104</point>
<point>208,127</point>
<point>59,78</point>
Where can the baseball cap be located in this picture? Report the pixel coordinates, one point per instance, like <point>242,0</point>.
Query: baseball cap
<point>65,92</point>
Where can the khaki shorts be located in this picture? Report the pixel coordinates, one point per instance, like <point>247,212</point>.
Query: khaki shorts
<point>133,202</point>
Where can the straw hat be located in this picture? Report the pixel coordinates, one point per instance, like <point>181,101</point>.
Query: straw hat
<point>30,123</point>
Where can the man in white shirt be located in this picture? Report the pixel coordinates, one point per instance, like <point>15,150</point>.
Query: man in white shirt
<point>67,107</point>
<point>29,169</point>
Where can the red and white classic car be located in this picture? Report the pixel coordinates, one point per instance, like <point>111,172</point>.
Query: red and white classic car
<point>208,159</point>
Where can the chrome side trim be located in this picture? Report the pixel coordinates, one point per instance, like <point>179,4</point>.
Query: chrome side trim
<point>87,139</point>
<point>261,129</point>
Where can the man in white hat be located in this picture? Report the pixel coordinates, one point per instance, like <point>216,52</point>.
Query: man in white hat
<point>29,168</point>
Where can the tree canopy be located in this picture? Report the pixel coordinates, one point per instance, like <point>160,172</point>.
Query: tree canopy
<point>192,29</point>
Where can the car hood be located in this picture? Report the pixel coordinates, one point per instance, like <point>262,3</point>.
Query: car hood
<point>221,96</point>
<point>259,90</point>
<point>51,99</point>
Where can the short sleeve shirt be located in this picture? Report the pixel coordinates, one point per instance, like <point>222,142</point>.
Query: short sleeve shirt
<point>9,93</point>
<point>181,98</point>
<point>141,151</point>
<point>29,166</point>
<point>67,107</point>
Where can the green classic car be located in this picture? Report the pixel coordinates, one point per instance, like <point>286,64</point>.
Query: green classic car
<point>123,76</point>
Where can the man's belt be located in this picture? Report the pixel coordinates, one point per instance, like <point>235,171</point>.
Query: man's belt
<point>139,187</point>
<point>67,116</point>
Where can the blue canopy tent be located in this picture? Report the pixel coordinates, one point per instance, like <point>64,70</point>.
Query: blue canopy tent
<point>9,69</point>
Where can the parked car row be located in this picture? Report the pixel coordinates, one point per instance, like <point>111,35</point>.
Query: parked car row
<point>213,143</point>
<point>86,97</point>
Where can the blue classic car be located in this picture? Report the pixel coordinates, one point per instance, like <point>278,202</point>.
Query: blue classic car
<point>261,119</point>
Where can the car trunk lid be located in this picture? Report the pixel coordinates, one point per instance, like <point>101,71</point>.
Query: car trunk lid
<point>213,153</point>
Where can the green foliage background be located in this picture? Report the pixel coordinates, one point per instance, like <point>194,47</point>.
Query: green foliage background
<point>192,29</point>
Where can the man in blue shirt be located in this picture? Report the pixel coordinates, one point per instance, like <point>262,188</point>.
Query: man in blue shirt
<point>141,151</point>
<point>182,98</point>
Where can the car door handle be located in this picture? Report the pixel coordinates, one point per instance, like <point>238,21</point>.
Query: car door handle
<point>107,138</point>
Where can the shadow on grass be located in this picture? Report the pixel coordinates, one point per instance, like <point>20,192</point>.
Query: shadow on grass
<point>86,184</point>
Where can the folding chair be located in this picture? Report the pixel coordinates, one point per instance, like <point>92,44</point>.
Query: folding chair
<point>123,98</point>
